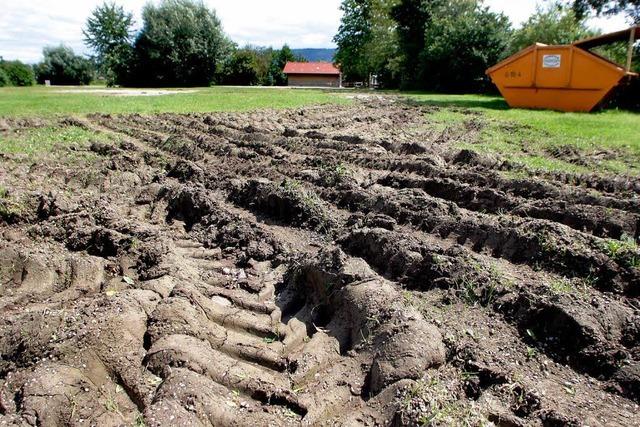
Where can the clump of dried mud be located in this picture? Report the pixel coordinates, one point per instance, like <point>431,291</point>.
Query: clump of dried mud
<point>321,266</point>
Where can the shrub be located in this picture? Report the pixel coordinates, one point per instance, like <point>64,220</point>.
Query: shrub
<point>19,74</point>
<point>63,67</point>
<point>4,78</point>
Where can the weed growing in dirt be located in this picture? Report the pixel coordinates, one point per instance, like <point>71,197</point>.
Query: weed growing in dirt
<point>334,174</point>
<point>431,403</point>
<point>624,251</point>
<point>10,208</point>
<point>565,286</point>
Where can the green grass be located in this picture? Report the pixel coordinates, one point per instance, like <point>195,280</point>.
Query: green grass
<point>529,136</point>
<point>46,139</point>
<point>39,101</point>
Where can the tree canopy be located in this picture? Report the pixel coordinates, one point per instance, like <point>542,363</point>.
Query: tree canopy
<point>631,8</point>
<point>181,44</point>
<point>63,67</point>
<point>109,32</point>
<point>554,24</point>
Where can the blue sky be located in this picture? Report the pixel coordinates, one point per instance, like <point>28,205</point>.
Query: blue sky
<point>26,26</point>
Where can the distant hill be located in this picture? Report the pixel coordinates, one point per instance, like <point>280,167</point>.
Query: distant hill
<point>313,55</point>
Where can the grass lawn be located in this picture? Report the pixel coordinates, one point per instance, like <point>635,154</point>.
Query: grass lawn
<point>48,101</point>
<point>609,140</point>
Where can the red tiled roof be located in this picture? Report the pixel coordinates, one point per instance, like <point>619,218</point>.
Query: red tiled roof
<point>311,68</point>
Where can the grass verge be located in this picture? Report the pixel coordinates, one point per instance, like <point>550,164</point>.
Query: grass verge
<point>607,142</point>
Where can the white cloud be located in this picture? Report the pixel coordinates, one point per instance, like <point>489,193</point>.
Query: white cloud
<point>26,26</point>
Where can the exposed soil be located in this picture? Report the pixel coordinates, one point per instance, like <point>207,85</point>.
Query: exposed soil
<point>320,266</point>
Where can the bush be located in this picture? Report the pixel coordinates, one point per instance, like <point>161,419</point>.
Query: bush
<point>19,74</point>
<point>63,67</point>
<point>4,78</point>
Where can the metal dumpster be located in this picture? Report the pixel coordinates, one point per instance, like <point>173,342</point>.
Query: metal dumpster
<point>562,77</point>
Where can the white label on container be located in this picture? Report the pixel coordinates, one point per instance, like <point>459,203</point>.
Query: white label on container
<point>551,61</point>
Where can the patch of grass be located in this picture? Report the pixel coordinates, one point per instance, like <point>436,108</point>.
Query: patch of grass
<point>624,251</point>
<point>47,101</point>
<point>530,137</point>
<point>46,139</point>
<point>430,403</point>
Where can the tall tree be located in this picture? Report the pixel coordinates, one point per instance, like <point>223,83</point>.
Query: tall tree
<point>412,18</point>
<point>353,37</point>
<point>462,39</point>
<point>109,33</point>
<point>366,38</point>
<point>280,58</point>
<point>181,44</point>
<point>63,67</point>
<point>554,24</point>
<point>631,8</point>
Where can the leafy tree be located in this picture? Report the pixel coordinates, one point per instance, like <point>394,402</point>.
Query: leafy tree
<point>18,73</point>
<point>352,39</point>
<point>181,44</point>
<point>109,32</point>
<point>555,24</point>
<point>4,78</point>
<point>631,8</point>
<point>280,59</point>
<point>365,39</point>
<point>63,67</point>
<point>462,40</point>
<point>242,68</point>
<point>412,18</point>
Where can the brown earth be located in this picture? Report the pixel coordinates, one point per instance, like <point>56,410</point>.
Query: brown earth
<point>321,266</point>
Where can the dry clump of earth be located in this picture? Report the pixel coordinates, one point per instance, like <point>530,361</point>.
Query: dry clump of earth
<point>320,266</point>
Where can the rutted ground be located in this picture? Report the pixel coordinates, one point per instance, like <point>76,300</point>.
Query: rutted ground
<point>321,266</point>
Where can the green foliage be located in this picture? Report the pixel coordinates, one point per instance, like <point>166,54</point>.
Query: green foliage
<point>366,43</point>
<point>631,8</point>
<point>181,44</point>
<point>462,40</point>
<point>242,68</point>
<point>109,32</point>
<point>62,67</point>
<point>17,73</point>
<point>555,24</point>
<point>280,58</point>
<point>4,78</point>
<point>412,18</point>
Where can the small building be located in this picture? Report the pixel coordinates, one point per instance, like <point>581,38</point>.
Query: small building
<point>313,74</point>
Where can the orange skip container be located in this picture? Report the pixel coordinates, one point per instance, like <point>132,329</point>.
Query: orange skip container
<point>562,77</point>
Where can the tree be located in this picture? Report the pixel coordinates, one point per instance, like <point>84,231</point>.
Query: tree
<point>4,78</point>
<point>631,8</point>
<point>242,68</point>
<point>462,40</point>
<point>18,73</point>
<point>109,32</point>
<point>555,24</point>
<point>412,18</point>
<point>280,59</point>
<point>181,44</point>
<point>366,39</point>
<point>63,67</point>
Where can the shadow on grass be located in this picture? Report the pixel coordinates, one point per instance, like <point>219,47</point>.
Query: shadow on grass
<point>489,103</point>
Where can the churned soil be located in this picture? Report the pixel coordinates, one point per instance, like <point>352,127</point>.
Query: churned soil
<point>332,265</point>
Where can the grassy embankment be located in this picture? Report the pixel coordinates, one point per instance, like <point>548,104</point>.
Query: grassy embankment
<point>609,140</point>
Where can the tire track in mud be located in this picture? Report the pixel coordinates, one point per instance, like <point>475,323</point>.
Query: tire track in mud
<point>289,268</point>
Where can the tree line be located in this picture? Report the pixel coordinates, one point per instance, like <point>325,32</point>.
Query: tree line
<point>439,45</point>
<point>446,45</point>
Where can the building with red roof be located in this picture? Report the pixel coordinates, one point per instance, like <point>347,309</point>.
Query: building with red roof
<point>309,74</point>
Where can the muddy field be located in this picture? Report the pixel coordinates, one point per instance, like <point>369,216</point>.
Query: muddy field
<point>322,266</point>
